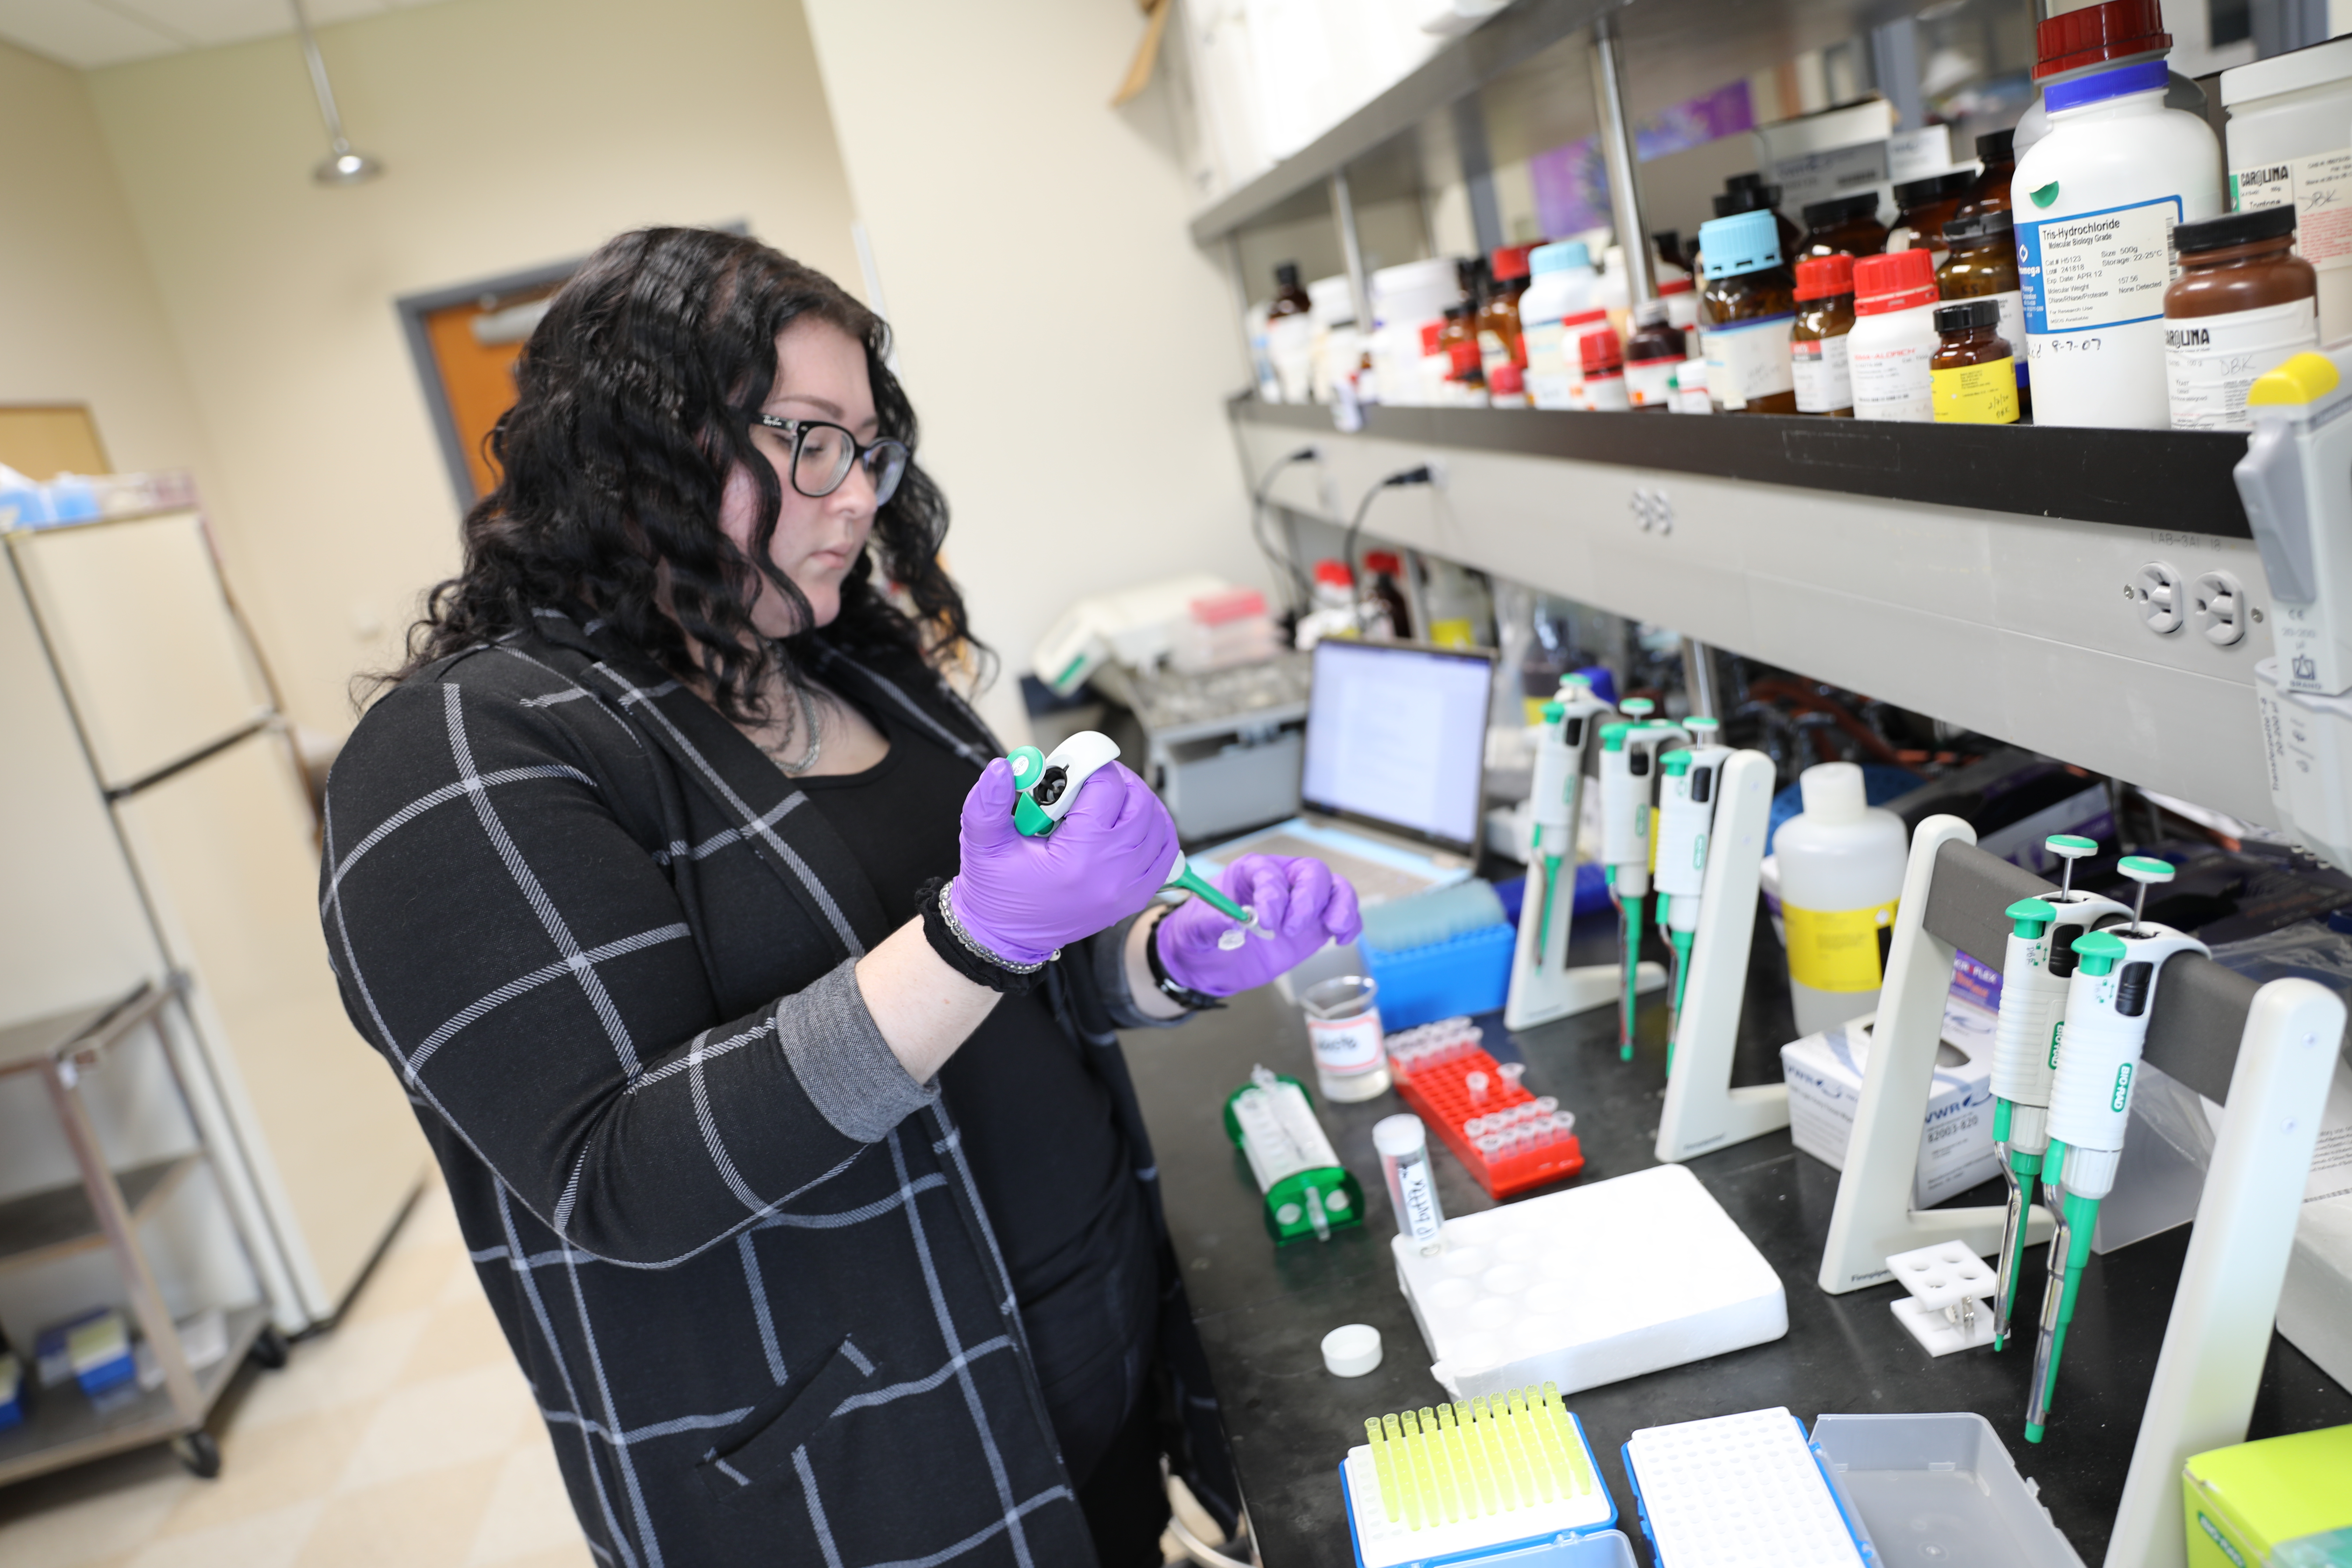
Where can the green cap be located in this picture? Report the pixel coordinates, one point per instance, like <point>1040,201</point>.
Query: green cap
<point>2032,917</point>
<point>2144,868</point>
<point>1698,724</point>
<point>1676,763</point>
<point>2068,846</point>
<point>1612,736</point>
<point>2099,950</point>
<point>1639,707</point>
<point>1552,711</point>
<point>1576,678</point>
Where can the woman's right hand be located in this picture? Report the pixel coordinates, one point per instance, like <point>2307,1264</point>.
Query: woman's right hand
<point>1023,897</point>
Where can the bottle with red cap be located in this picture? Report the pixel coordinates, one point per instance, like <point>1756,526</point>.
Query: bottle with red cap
<point>1507,387</point>
<point>2094,38</point>
<point>1499,315</point>
<point>1817,351</point>
<point>1654,350</point>
<point>1604,371</point>
<point>1334,613</point>
<point>1894,337</point>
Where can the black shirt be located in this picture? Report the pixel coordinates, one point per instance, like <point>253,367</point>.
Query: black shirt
<point>1036,1121</point>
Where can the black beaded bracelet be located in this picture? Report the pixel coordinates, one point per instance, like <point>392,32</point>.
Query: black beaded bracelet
<point>1175,991</point>
<point>966,957</point>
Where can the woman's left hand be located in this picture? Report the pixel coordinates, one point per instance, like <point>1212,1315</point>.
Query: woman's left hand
<point>1303,902</point>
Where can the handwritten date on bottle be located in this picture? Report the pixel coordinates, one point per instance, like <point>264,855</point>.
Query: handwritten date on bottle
<point>2056,348</point>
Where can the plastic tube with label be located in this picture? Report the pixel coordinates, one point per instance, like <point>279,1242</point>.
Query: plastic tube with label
<point>1403,1145</point>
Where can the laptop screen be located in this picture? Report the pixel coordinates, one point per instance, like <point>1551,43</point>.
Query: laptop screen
<point>1396,736</point>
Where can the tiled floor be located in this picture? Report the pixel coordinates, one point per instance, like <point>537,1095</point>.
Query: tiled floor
<point>403,1436</point>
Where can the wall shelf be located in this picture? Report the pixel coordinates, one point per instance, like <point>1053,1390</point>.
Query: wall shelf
<point>2143,478</point>
<point>1982,576</point>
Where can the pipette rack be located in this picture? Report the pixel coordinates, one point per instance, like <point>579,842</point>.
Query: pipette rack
<point>1475,1477</point>
<point>1432,1066</point>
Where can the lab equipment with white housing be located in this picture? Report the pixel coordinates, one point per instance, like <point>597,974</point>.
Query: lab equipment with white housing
<point>2296,480</point>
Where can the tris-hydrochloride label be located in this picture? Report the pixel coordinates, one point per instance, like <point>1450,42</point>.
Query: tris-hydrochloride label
<point>1837,949</point>
<point>1748,360</point>
<point>2095,271</point>
<point>2210,362</point>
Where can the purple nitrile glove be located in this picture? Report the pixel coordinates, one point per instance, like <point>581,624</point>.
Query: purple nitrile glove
<point>1304,902</point>
<point>1023,897</point>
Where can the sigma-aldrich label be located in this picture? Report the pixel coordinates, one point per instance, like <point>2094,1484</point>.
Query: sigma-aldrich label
<point>2096,270</point>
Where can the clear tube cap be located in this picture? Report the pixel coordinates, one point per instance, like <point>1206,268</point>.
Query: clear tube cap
<point>1400,1135</point>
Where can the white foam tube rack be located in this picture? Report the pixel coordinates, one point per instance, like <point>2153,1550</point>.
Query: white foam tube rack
<point>1703,1112</point>
<point>2266,1052</point>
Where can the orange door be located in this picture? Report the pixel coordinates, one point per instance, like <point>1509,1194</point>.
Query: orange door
<point>475,345</point>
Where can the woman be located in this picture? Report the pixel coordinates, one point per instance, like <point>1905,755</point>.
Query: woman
<point>772,1070</point>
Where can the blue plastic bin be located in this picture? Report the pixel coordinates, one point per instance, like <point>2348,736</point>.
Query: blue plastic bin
<point>1470,973</point>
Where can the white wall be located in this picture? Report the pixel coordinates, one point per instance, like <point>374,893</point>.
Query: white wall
<point>80,320</point>
<point>1066,345</point>
<point>515,133</point>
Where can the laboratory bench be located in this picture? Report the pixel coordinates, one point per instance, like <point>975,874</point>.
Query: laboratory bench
<point>1263,1311</point>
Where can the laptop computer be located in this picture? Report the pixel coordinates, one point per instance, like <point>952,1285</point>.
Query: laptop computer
<point>1393,779</point>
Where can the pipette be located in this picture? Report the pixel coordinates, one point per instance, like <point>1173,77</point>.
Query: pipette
<point>2108,1003</point>
<point>1569,723</point>
<point>1048,786</point>
<point>1628,775</point>
<point>2041,960</point>
<point>1685,820</point>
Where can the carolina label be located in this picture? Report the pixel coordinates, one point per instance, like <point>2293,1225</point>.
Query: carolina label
<point>2210,362</point>
<point>1836,950</point>
<point>2315,186</point>
<point>1977,394</point>
<point>2096,269</point>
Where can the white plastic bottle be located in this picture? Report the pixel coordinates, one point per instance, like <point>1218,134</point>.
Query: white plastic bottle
<point>1562,288</point>
<point>2096,202</point>
<point>1894,337</point>
<point>1840,862</point>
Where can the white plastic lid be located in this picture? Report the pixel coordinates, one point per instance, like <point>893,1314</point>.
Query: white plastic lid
<point>1329,301</point>
<point>1351,1350</point>
<point>1832,792</point>
<point>1400,1135</point>
<point>2292,72</point>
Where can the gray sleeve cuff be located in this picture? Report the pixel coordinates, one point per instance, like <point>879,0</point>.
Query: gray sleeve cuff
<point>844,1066</point>
<point>1108,954</point>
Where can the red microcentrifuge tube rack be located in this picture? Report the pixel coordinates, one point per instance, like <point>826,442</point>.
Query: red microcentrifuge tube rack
<point>1433,1065</point>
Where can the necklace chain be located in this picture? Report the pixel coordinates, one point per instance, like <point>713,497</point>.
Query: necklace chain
<point>815,737</point>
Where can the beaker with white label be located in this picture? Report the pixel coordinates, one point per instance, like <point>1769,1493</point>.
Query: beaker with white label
<point>1403,1145</point>
<point>1343,1027</point>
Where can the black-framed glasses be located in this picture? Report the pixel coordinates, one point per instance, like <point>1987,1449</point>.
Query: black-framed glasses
<point>824,453</point>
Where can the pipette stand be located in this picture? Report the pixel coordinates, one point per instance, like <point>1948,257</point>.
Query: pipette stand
<point>2220,1332</point>
<point>1703,1112</point>
<point>1541,992</point>
<point>1874,1218</point>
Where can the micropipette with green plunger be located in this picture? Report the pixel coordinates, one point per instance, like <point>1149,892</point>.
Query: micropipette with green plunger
<point>2109,1002</point>
<point>1046,787</point>
<point>1629,754</point>
<point>1556,798</point>
<point>2039,963</point>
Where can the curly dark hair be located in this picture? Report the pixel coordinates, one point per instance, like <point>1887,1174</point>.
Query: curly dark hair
<point>633,404</point>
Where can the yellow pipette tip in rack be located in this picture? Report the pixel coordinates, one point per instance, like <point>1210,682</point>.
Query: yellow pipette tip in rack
<point>1383,1470</point>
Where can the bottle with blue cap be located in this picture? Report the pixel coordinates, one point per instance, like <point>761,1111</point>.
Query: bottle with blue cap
<point>1745,314</point>
<point>1563,286</point>
<point>2096,201</point>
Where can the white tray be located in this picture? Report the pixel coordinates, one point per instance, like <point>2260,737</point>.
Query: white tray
<point>1516,1298</point>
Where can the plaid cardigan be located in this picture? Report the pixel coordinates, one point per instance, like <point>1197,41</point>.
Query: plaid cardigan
<point>737,1250</point>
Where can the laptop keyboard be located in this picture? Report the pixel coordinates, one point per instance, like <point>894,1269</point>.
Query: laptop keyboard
<point>1374,882</point>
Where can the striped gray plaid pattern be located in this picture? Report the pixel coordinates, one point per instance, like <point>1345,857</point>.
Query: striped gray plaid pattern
<point>737,1252</point>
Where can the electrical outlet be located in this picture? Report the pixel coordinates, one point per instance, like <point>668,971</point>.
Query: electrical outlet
<point>2156,594</point>
<point>1440,476</point>
<point>2219,602</point>
<point>1652,510</point>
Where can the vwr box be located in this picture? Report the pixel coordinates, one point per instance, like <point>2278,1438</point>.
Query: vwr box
<point>1824,1074</point>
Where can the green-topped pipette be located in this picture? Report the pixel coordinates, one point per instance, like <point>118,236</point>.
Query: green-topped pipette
<point>2109,1002</point>
<point>1554,799</point>
<point>1048,786</point>
<point>1629,754</point>
<point>2039,963</point>
<point>1686,792</point>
